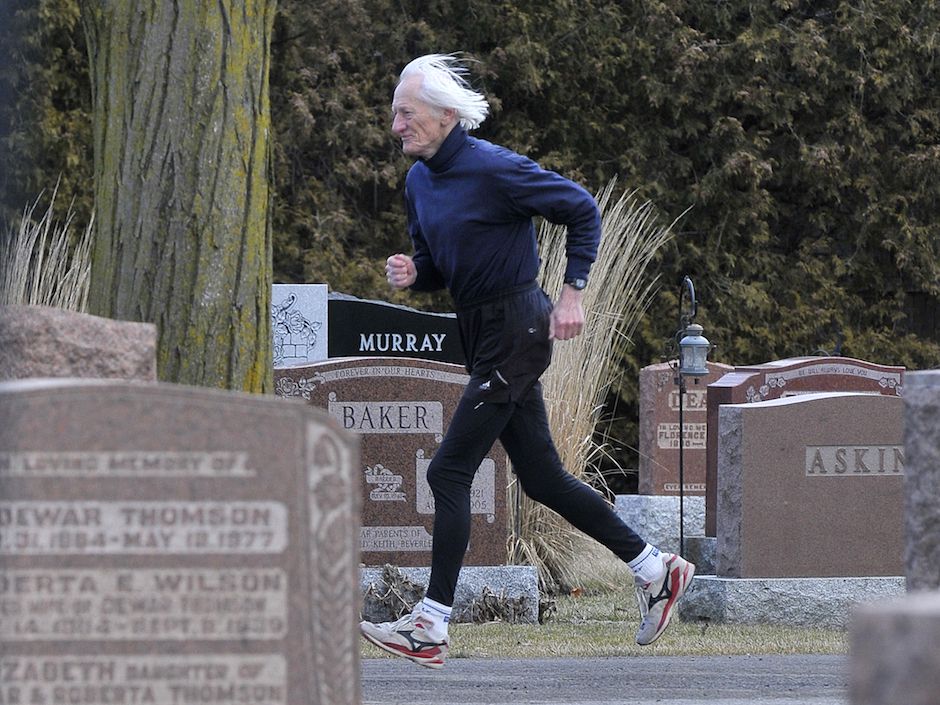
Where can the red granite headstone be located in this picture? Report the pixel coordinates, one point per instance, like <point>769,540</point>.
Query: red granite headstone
<point>401,409</point>
<point>659,429</point>
<point>799,375</point>
<point>170,544</point>
<point>811,486</point>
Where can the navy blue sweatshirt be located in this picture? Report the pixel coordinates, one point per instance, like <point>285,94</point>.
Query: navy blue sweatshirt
<point>470,210</point>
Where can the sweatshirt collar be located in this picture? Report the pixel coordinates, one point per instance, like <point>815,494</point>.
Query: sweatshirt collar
<point>448,150</point>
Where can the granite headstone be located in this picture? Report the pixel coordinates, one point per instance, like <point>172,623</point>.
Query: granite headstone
<point>401,408</point>
<point>659,429</point>
<point>299,323</point>
<point>922,479</point>
<point>169,544</point>
<point>41,341</point>
<point>360,328</point>
<point>811,486</point>
<point>782,378</point>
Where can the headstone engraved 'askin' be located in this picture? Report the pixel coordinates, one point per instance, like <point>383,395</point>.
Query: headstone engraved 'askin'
<point>783,378</point>
<point>812,486</point>
<point>164,544</point>
<point>401,409</point>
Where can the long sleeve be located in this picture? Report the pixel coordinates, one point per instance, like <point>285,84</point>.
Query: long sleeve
<point>428,277</point>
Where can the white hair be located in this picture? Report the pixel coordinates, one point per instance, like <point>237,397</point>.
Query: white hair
<point>444,86</point>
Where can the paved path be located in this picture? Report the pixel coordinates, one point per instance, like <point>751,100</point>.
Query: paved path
<point>679,680</point>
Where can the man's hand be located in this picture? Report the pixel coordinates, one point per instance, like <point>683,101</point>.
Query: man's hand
<point>400,271</point>
<point>567,319</point>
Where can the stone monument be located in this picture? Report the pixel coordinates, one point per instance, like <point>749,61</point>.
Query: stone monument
<point>299,323</point>
<point>784,378</point>
<point>659,429</point>
<point>360,328</point>
<point>922,480</point>
<point>169,544</point>
<point>401,408</point>
<point>811,486</point>
<point>41,341</point>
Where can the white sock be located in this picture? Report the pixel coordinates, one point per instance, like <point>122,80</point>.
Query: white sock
<point>435,616</point>
<point>649,565</point>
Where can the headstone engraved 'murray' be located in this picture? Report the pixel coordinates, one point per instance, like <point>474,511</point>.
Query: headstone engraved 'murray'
<point>401,409</point>
<point>174,545</point>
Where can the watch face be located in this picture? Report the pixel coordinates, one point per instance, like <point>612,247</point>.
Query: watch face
<point>576,283</point>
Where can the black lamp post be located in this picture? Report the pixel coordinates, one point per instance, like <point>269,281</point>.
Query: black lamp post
<point>693,356</point>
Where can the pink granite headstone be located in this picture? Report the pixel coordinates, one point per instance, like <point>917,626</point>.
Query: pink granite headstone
<point>41,341</point>
<point>782,378</point>
<point>659,429</point>
<point>811,486</point>
<point>401,409</point>
<point>169,544</point>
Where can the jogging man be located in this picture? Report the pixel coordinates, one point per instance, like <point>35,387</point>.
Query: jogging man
<point>470,207</point>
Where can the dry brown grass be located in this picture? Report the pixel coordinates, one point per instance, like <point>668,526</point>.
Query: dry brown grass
<point>40,264</point>
<point>575,385</point>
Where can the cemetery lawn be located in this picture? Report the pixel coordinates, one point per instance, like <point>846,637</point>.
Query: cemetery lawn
<point>604,625</point>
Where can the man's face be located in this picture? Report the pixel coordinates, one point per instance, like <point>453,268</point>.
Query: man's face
<point>422,128</point>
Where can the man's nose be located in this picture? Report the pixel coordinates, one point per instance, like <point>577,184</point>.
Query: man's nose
<point>398,124</point>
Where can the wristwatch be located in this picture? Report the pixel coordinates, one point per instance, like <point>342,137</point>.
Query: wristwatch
<point>575,283</point>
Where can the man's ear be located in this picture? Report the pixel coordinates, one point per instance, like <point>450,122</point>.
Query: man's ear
<point>448,116</point>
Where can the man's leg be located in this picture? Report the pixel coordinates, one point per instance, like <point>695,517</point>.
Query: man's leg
<point>422,635</point>
<point>661,577</point>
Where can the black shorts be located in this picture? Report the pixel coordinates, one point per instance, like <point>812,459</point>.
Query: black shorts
<point>506,344</point>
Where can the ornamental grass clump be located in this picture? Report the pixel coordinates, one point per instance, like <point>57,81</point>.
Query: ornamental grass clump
<point>575,386</point>
<point>39,263</point>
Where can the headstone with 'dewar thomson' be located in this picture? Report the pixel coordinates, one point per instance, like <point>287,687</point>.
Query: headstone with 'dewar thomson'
<point>812,486</point>
<point>659,429</point>
<point>784,378</point>
<point>401,409</point>
<point>168,544</point>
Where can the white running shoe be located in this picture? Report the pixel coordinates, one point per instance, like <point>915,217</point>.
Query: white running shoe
<point>407,637</point>
<point>657,599</point>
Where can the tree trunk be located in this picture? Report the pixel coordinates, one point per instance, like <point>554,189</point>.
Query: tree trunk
<point>181,130</point>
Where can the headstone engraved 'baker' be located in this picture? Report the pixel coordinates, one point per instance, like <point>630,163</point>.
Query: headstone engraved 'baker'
<point>782,378</point>
<point>360,328</point>
<point>659,430</point>
<point>401,409</point>
<point>812,486</point>
<point>168,544</point>
<point>299,323</point>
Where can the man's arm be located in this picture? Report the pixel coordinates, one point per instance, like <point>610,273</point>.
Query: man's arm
<point>567,319</point>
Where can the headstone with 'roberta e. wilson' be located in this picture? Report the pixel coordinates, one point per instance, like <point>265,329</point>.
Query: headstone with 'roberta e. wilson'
<point>169,544</point>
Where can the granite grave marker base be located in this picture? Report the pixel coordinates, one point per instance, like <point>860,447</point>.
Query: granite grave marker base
<point>783,378</point>
<point>175,545</point>
<point>401,409</point>
<point>811,486</point>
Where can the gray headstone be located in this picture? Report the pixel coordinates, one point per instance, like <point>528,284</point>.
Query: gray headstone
<point>40,341</point>
<point>811,486</point>
<point>401,409</point>
<point>895,652</point>
<point>922,479</point>
<point>172,544</point>
<point>299,323</point>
